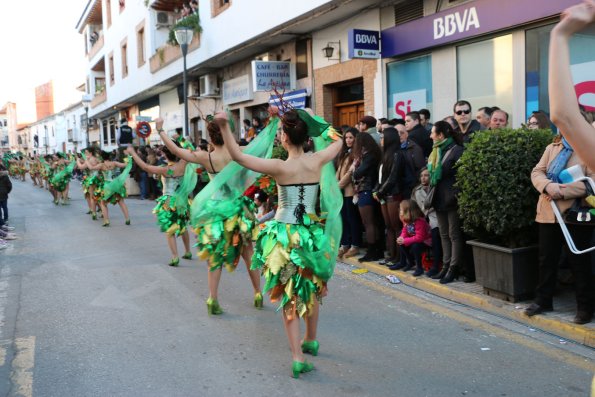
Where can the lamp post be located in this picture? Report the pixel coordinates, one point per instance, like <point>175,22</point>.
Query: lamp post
<point>86,101</point>
<point>184,37</point>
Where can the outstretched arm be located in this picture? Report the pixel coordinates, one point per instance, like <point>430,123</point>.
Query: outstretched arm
<point>330,152</point>
<point>264,166</point>
<point>167,171</point>
<point>563,103</point>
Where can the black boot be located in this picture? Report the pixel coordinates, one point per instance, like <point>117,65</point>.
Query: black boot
<point>451,275</point>
<point>442,273</point>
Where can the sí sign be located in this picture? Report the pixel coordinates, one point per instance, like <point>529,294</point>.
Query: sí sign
<point>364,44</point>
<point>406,102</point>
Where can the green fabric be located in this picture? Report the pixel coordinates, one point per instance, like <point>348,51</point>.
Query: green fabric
<point>435,160</point>
<point>221,205</point>
<point>62,178</point>
<point>316,125</point>
<point>115,189</point>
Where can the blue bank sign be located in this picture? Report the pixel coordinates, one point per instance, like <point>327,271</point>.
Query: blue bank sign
<point>364,44</point>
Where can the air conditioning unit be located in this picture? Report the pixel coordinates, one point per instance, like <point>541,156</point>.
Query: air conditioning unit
<point>208,86</point>
<point>163,20</point>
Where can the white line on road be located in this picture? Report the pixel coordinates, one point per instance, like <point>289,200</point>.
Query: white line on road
<point>22,367</point>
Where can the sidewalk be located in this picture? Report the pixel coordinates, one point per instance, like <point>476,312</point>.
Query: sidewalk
<point>558,322</point>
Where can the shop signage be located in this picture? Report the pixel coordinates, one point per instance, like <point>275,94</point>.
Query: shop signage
<point>409,101</point>
<point>468,20</point>
<point>583,76</point>
<point>266,75</point>
<point>363,43</point>
<point>237,90</point>
<point>296,99</point>
<point>143,118</point>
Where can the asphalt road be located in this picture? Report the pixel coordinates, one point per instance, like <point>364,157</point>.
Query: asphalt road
<point>92,311</point>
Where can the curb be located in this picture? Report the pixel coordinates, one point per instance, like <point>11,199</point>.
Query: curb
<point>577,333</point>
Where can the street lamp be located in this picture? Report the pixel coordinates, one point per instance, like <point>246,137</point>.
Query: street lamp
<point>86,101</point>
<point>184,37</point>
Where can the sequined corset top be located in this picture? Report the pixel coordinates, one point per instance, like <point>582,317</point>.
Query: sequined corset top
<point>296,201</point>
<point>169,185</point>
<point>108,174</point>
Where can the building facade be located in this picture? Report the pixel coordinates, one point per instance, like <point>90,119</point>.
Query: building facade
<point>343,58</point>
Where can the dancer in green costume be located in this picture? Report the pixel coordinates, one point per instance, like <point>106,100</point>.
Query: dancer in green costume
<point>60,181</point>
<point>114,189</point>
<point>173,207</point>
<point>222,217</point>
<point>94,182</point>
<point>297,250</point>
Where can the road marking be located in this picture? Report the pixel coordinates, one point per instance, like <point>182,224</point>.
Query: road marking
<point>523,340</point>
<point>22,367</point>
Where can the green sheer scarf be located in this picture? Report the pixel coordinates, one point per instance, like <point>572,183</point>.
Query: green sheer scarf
<point>215,201</point>
<point>116,184</point>
<point>435,160</point>
<point>66,173</point>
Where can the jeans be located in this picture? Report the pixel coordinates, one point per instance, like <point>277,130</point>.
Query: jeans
<point>3,211</point>
<point>412,254</point>
<point>144,184</point>
<point>550,241</point>
<point>352,224</point>
<point>451,235</point>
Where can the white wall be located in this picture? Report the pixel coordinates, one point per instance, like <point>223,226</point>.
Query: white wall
<point>171,111</point>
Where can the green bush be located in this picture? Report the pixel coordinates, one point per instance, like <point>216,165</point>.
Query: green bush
<point>497,200</point>
<point>191,21</point>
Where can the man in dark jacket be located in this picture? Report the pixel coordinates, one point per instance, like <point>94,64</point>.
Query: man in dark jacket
<point>465,123</point>
<point>5,188</point>
<point>414,160</point>
<point>417,132</point>
<point>125,133</point>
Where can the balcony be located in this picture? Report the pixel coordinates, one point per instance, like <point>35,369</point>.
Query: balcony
<point>96,47</point>
<point>100,97</point>
<point>168,53</point>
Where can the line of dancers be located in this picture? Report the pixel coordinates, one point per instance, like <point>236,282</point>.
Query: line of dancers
<point>295,251</point>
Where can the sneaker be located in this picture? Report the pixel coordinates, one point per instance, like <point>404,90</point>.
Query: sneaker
<point>7,228</point>
<point>10,236</point>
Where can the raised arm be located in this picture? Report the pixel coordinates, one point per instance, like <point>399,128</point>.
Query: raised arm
<point>264,166</point>
<point>563,103</point>
<point>198,157</point>
<point>330,152</point>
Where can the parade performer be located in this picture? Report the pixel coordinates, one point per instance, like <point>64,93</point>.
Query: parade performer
<point>297,250</point>
<point>114,189</point>
<point>60,180</point>
<point>172,208</point>
<point>223,219</point>
<point>94,181</point>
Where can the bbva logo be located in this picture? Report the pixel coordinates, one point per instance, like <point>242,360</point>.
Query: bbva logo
<point>455,23</point>
<point>365,39</point>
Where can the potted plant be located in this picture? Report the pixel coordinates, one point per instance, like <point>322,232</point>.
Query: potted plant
<point>191,21</point>
<point>497,203</point>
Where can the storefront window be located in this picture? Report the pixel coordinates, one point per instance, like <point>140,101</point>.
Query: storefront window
<point>582,60</point>
<point>409,86</point>
<point>484,73</point>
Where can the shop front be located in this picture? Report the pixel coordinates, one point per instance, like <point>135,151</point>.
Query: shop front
<point>490,53</point>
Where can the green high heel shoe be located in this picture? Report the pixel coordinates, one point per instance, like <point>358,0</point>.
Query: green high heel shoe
<point>310,347</point>
<point>258,300</point>
<point>94,216</point>
<point>299,368</point>
<point>127,222</point>
<point>174,262</point>
<point>187,255</point>
<point>213,307</point>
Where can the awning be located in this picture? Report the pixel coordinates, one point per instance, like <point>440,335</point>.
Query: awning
<point>296,99</point>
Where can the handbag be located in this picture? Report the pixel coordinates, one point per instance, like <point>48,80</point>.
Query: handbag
<point>429,200</point>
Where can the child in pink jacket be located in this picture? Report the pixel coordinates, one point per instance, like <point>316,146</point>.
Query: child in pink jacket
<point>415,238</point>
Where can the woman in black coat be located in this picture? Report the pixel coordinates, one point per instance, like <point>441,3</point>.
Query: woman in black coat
<point>5,188</point>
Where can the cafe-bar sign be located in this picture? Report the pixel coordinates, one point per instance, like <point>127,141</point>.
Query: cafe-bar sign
<point>275,74</point>
<point>363,44</point>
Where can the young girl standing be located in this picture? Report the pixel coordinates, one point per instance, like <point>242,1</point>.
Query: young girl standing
<point>414,239</point>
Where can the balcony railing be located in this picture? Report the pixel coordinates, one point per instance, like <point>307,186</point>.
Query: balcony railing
<point>96,47</point>
<point>168,53</point>
<point>99,97</point>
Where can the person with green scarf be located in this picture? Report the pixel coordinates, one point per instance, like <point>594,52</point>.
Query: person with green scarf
<point>446,151</point>
<point>297,249</point>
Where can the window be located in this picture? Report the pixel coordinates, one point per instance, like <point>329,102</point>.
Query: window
<point>409,86</point>
<point>112,78</point>
<point>86,44</point>
<point>218,6</point>
<point>301,59</point>
<point>140,46</point>
<point>484,73</point>
<point>122,5</point>
<point>123,50</point>
<point>582,62</point>
<point>108,9</point>
<point>105,133</point>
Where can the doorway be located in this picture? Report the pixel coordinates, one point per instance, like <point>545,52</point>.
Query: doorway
<point>348,106</point>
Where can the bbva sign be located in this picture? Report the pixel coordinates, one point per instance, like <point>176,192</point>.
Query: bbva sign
<point>456,23</point>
